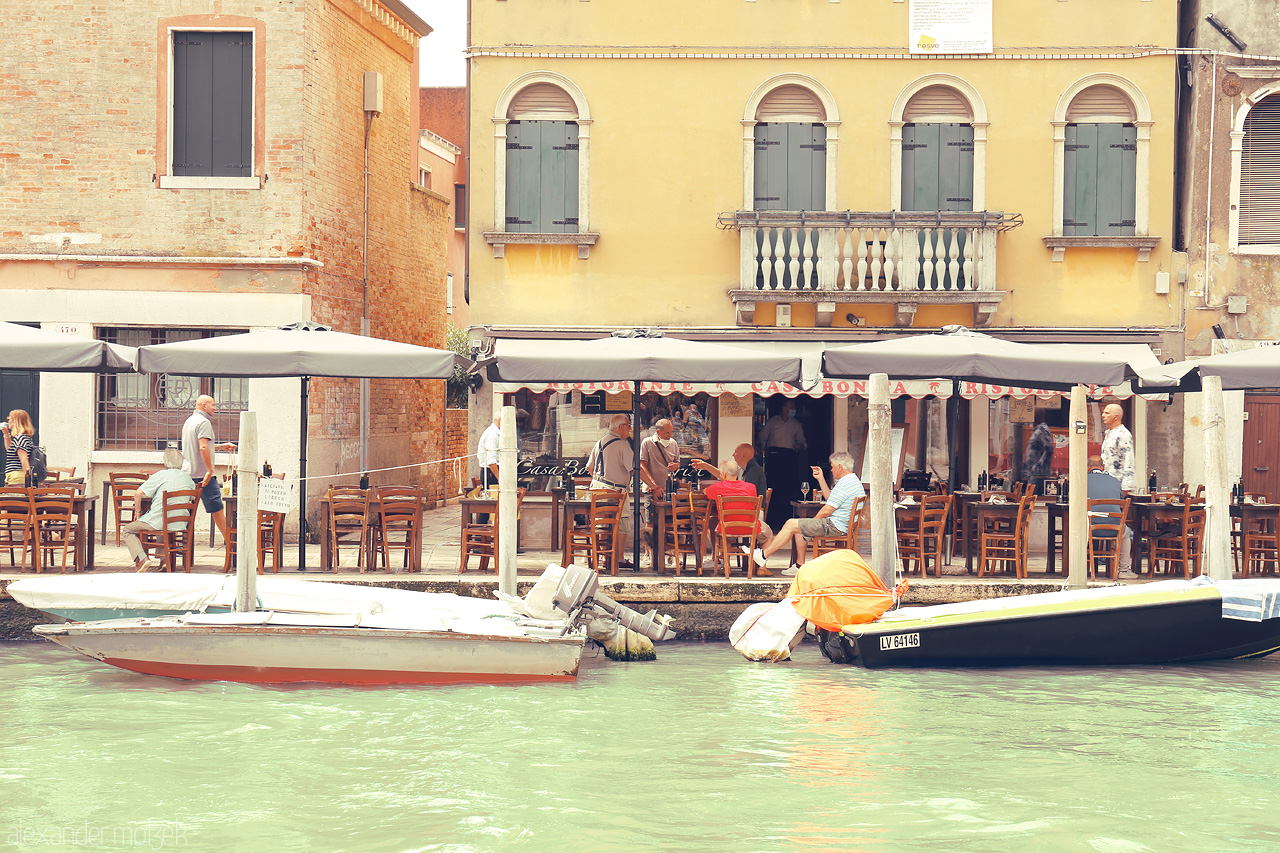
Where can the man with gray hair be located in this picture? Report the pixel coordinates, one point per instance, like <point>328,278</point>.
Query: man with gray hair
<point>169,479</point>
<point>610,464</point>
<point>731,484</point>
<point>832,519</point>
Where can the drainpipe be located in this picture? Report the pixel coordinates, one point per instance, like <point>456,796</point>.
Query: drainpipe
<point>372,109</point>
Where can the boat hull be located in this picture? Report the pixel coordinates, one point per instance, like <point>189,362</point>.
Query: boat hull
<point>1154,628</point>
<point>287,654</point>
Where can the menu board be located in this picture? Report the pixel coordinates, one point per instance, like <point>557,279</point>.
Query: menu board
<point>950,26</point>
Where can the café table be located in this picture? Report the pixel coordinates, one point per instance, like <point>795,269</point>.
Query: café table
<point>960,511</point>
<point>1254,513</point>
<point>802,509</point>
<point>372,516</point>
<point>1146,518</point>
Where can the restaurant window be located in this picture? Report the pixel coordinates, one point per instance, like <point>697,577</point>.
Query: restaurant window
<point>555,432</point>
<point>1014,421</point>
<point>146,411</point>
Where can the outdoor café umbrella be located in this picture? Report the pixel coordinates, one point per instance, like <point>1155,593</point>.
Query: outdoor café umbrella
<point>303,350</point>
<point>635,356</point>
<point>966,356</point>
<point>29,348</point>
<point>1257,367</point>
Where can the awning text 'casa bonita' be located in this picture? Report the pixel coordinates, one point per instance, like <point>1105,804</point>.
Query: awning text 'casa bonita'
<point>916,388</point>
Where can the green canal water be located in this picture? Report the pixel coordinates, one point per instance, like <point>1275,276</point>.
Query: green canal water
<point>700,751</point>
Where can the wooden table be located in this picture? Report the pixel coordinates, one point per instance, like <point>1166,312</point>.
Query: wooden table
<point>372,517</point>
<point>1254,513</point>
<point>960,510</point>
<point>1146,517</point>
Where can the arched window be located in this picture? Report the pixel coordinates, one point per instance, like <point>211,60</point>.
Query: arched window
<point>542,162</point>
<point>1259,175</point>
<point>1100,160</point>
<point>790,142</point>
<point>937,151</point>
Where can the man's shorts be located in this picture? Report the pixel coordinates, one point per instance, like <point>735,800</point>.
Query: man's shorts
<point>211,496</point>
<point>812,527</point>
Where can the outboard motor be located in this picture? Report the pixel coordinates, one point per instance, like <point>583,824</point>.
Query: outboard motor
<point>624,633</point>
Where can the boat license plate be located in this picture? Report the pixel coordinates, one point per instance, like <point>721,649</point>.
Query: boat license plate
<point>899,641</point>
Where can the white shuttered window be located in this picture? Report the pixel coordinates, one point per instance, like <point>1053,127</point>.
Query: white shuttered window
<point>1260,175</point>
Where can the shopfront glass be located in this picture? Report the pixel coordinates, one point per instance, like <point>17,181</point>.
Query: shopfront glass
<point>1028,437</point>
<point>557,431</point>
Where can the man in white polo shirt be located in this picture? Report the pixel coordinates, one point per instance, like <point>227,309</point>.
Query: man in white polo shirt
<point>832,519</point>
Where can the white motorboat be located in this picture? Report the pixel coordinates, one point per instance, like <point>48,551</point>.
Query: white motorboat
<point>421,638</point>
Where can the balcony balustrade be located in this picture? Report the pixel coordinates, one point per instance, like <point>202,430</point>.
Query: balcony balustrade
<point>839,257</point>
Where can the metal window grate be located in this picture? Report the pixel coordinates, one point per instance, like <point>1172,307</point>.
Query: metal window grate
<point>136,411</point>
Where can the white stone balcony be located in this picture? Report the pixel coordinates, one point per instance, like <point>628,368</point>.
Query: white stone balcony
<point>843,257</point>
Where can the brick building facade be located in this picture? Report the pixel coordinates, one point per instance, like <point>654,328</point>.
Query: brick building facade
<point>117,222</point>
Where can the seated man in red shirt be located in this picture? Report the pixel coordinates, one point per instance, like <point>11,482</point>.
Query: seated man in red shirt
<point>729,484</point>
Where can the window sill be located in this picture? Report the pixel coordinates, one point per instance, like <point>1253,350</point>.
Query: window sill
<point>905,302</point>
<point>499,240</point>
<point>1060,244</point>
<point>1271,249</point>
<point>191,182</point>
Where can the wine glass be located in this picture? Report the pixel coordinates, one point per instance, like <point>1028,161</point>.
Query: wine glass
<point>804,489</point>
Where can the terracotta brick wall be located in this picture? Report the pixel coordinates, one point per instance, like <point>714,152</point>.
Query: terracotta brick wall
<point>457,445</point>
<point>406,249</point>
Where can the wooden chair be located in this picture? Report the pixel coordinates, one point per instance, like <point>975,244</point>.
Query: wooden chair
<point>1179,548</point>
<point>59,472</point>
<point>399,524</point>
<point>1007,544</point>
<point>1106,530</point>
<point>1261,547</point>
<point>1238,531</point>
<point>175,541</point>
<point>849,539</point>
<point>15,525</point>
<point>348,522</point>
<point>480,538</point>
<point>595,537</point>
<point>739,525</point>
<point>685,531</point>
<point>53,525</point>
<point>123,485</point>
<point>923,541</point>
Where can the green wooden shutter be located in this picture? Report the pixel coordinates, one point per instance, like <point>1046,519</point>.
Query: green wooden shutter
<point>559,209</point>
<point>524,141</point>
<point>955,167</point>
<point>920,167</point>
<point>770,166</point>
<point>1117,165</point>
<point>1099,180</point>
<point>213,104</point>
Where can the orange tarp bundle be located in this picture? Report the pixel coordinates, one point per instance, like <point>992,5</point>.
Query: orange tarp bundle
<point>839,589</point>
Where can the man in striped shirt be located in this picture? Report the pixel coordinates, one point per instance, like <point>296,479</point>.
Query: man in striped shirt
<point>832,519</point>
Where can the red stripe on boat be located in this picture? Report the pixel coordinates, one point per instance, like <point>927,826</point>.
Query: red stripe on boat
<point>294,675</point>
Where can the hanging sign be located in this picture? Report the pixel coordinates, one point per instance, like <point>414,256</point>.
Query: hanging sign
<point>950,26</point>
<point>275,495</point>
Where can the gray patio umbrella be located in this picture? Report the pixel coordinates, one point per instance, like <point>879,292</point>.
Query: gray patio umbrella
<point>28,348</point>
<point>303,350</point>
<point>1258,367</point>
<point>1244,370</point>
<point>635,356</point>
<point>962,355</point>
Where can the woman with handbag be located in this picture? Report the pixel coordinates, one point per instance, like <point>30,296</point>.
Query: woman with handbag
<point>18,445</point>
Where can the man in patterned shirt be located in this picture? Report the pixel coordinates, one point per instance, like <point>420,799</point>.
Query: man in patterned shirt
<point>1117,448</point>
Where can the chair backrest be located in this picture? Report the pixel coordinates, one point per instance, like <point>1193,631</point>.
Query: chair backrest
<point>933,514</point>
<point>345,503</point>
<point>15,504</point>
<point>60,472</point>
<point>1111,521</point>
<point>739,514</point>
<point>768,496</point>
<point>180,508</point>
<point>52,502</point>
<point>125,483</point>
<point>1026,505</point>
<point>1194,518</point>
<point>399,502</point>
<point>607,506</point>
<point>1018,489</point>
<point>858,511</point>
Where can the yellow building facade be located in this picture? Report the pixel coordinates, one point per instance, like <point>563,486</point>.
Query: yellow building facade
<point>827,172</point>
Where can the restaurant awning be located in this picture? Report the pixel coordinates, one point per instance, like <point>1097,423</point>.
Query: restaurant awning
<point>1138,354</point>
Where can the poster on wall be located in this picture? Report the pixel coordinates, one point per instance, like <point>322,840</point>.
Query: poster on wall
<point>732,406</point>
<point>950,26</point>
